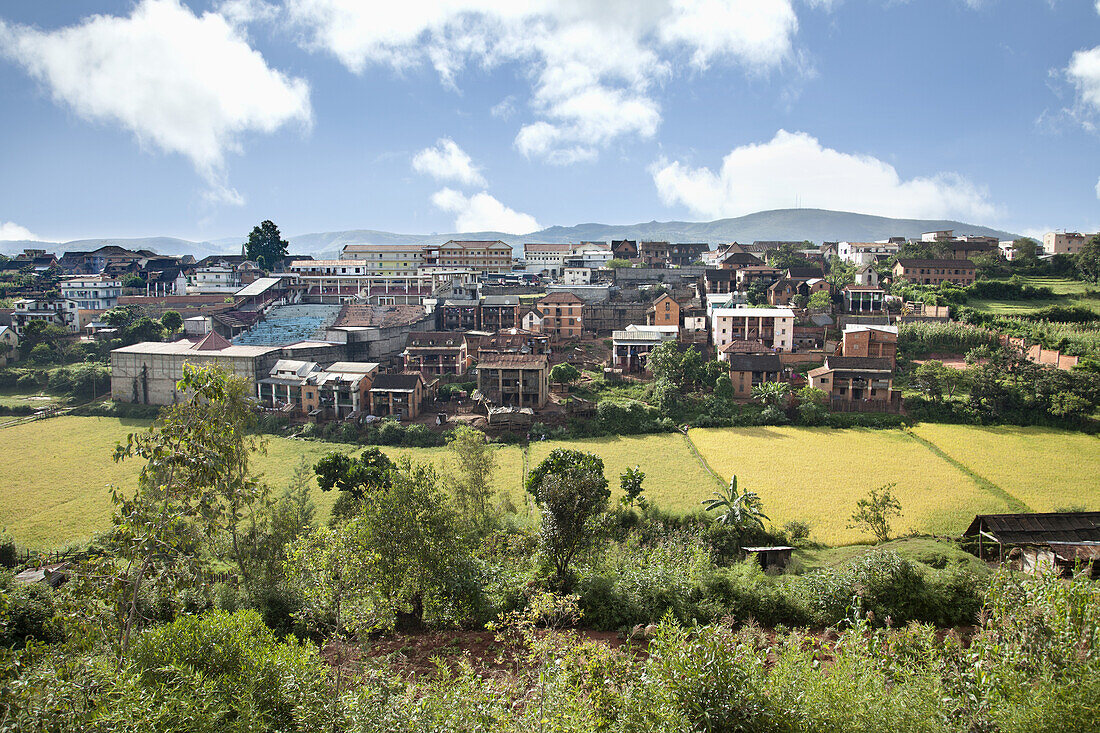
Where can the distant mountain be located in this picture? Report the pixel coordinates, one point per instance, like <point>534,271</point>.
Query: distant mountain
<point>815,225</point>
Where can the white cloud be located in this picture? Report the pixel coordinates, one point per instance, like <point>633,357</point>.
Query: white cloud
<point>1084,72</point>
<point>483,213</point>
<point>593,64</point>
<point>10,231</point>
<point>182,83</point>
<point>448,162</point>
<point>771,175</point>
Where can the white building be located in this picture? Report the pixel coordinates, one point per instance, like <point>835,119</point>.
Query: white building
<point>630,347</point>
<point>92,292</point>
<point>214,279</point>
<point>57,311</point>
<point>773,326</point>
<point>864,253</point>
<point>577,276</point>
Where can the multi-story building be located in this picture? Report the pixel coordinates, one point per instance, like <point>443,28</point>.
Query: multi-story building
<point>514,380</point>
<point>459,314</point>
<point>434,353</point>
<point>851,380</point>
<point>773,326</point>
<point>398,395</point>
<point>1065,243</point>
<point>880,342</point>
<point>91,292</point>
<point>498,312</point>
<point>546,258</point>
<point>9,342</point>
<point>665,311</point>
<point>935,272</point>
<point>665,254</point>
<point>482,256</point>
<point>215,279</point>
<point>561,315</point>
<point>864,299</point>
<point>386,259</point>
<point>337,281</point>
<point>751,370</point>
<point>865,253</point>
<point>630,348</point>
<point>57,311</point>
<point>624,249</point>
<point>514,341</point>
<point>304,388</point>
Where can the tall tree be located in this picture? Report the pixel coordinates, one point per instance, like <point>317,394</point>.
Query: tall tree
<point>475,461</point>
<point>1088,260</point>
<point>266,245</point>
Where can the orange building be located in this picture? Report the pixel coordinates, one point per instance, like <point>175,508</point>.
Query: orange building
<point>561,315</point>
<point>665,311</point>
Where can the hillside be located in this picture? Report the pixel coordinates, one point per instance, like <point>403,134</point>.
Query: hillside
<point>815,225</point>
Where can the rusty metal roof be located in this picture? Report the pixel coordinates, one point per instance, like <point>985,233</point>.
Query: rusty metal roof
<point>1032,529</point>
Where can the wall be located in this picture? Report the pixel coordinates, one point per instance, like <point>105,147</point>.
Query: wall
<point>640,275</point>
<point>612,316</point>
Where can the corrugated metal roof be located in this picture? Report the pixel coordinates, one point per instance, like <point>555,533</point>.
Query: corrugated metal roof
<point>1051,527</point>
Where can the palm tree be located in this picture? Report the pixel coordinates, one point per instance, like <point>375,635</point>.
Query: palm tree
<point>738,510</point>
<point>772,394</point>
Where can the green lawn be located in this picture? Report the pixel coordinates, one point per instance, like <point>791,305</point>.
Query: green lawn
<point>1072,294</point>
<point>927,550</point>
<point>15,398</point>
<point>54,473</point>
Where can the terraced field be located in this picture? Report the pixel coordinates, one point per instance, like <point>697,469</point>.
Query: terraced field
<point>54,473</point>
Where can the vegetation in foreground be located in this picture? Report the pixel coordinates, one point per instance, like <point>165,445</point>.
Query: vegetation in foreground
<point>145,636</point>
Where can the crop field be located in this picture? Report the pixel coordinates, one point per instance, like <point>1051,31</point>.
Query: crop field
<point>54,473</point>
<point>1042,468</point>
<point>817,475</point>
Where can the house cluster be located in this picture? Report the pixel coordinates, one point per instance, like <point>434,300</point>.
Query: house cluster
<point>479,311</point>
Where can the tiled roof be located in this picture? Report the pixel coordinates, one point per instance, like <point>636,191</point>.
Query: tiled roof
<point>868,363</point>
<point>561,297</point>
<point>1039,528</point>
<point>755,363</point>
<point>395,382</point>
<point>953,264</point>
<point>513,361</point>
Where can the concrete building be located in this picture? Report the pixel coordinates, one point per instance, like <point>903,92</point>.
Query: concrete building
<point>386,259</point>
<point>880,342</point>
<point>865,253</point>
<point>857,383</point>
<point>665,254</point>
<point>341,281</point>
<point>91,292</point>
<point>305,388</point>
<point>514,380</point>
<point>58,311</point>
<point>9,342</point>
<point>936,272</point>
<point>1064,243</point>
<point>773,326</point>
<point>864,299</point>
<point>577,276</point>
<point>751,370</point>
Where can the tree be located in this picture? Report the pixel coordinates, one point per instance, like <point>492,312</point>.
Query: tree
<point>821,300</point>
<point>41,332</point>
<point>564,373</point>
<point>1026,252</point>
<point>757,292</point>
<point>630,481</point>
<point>265,245</point>
<point>617,263</point>
<point>771,394</point>
<point>133,281</point>
<point>874,511</point>
<point>476,461</point>
<point>800,301</point>
<point>570,489</point>
<point>928,378</point>
<point>195,483</point>
<point>787,255</point>
<point>736,509</point>
<point>1088,260</point>
<point>172,321</point>
<point>354,478</point>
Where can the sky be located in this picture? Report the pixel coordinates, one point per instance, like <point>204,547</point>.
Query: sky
<point>200,119</point>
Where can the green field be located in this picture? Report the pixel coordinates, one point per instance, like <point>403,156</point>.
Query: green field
<point>1072,294</point>
<point>54,473</point>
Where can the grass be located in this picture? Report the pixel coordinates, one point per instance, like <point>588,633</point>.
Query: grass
<point>16,398</point>
<point>928,550</point>
<point>1069,293</point>
<point>1043,468</point>
<point>818,474</point>
<point>54,473</point>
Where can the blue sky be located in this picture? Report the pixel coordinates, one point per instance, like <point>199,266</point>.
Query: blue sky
<point>200,119</point>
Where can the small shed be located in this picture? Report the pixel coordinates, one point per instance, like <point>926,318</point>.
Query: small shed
<point>771,558</point>
<point>52,575</point>
<point>1061,541</point>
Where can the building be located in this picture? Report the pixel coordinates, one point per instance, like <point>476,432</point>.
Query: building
<point>624,249</point>
<point>1065,243</point>
<point>340,281</point>
<point>743,347</point>
<point>561,315</point>
<point>773,326</point>
<point>577,276</point>
<point>458,315</point>
<point>880,342</point>
<point>480,256</point>
<point>386,259</point>
<point>91,292</point>
<point>786,289</point>
<point>214,279</point>
<point>398,395</point>
<point>513,341</point>
<point>664,254</point>
<point>1061,542</point>
<point>865,253</point>
<point>9,342</point>
<point>435,353</point>
<point>630,347</point>
<point>514,380</point>
<point>304,388</point>
<point>56,311</point>
<point>935,272</point>
<point>665,311</point>
<point>497,312</point>
<point>867,275</point>
<point>751,370</point>
<point>531,320</point>
<point>548,259</point>
<point>857,383</point>
<point>864,299</point>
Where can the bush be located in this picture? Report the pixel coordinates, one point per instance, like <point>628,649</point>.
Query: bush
<point>27,612</point>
